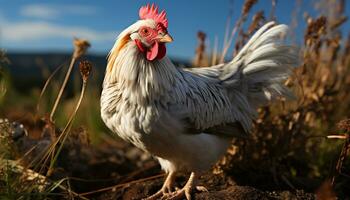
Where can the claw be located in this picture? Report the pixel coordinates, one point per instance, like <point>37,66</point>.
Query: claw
<point>201,188</point>
<point>185,191</point>
<point>180,194</point>
<point>166,189</point>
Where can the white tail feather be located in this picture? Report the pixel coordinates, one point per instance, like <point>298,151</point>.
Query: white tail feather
<point>264,64</point>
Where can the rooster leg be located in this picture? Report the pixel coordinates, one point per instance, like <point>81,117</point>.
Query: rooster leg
<point>187,189</point>
<point>166,188</point>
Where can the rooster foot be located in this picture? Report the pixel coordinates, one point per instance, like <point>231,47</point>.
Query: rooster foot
<point>166,189</point>
<point>186,191</point>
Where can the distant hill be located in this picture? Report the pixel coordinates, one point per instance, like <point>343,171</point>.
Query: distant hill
<point>30,69</point>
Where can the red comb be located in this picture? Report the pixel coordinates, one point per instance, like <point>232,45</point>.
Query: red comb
<point>151,12</point>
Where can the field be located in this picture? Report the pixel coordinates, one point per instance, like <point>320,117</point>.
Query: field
<point>53,144</point>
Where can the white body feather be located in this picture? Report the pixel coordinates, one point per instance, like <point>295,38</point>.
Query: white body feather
<point>154,105</point>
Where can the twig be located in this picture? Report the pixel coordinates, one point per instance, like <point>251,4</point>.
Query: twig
<point>341,159</point>
<point>215,51</point>
<point>248,4</point>
<point>284,178</point>
<point>62,87</point>
<point>46,85</point>
<point>136,173</point>
<point>273,8</point>
<point>123,184</point>
<point>228,21</point>
<point>229,42</point>
<point>67,128</point>
<point>338,136</point>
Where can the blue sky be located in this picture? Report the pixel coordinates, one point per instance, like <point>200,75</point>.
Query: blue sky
<point>50,25</point>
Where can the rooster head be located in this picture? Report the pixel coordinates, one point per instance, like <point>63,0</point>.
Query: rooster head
<point>149,34</point>
<point>152,33</point>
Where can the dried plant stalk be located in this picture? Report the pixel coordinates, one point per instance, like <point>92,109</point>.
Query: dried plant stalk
<point>273,8</point>
<point>80,48</point>
<point>247,6</point>
<point>345,126</point>
<point>200,51</point>
<point>214,55</point>
<point>47,82</point>
<point>85,69</point>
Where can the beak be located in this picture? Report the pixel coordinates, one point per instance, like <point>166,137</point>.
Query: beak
<point>166,38</point>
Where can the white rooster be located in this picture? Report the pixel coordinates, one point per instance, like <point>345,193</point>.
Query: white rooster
<point>187,117</point>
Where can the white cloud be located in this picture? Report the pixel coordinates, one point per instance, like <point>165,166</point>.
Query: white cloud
<point>39,11</point>
<point>24,33</point>
<point>50,11</point>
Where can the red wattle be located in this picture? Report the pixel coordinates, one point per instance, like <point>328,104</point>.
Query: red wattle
<point>152,52</point>
<point>156,51</point>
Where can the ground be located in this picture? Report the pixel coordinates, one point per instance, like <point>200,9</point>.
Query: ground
<point>114,169</point>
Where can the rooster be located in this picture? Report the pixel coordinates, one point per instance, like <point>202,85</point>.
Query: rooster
<point>187,117</point>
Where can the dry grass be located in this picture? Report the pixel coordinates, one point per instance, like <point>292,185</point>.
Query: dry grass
<point>3,61</point>
<point>200,59</point>
<point>289,141</point>
<point>25,182</point>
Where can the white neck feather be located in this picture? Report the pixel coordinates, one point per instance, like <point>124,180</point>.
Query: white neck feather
<point>140,80</point>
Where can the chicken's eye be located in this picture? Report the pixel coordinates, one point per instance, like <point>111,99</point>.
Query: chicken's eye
<point>145,31</point>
